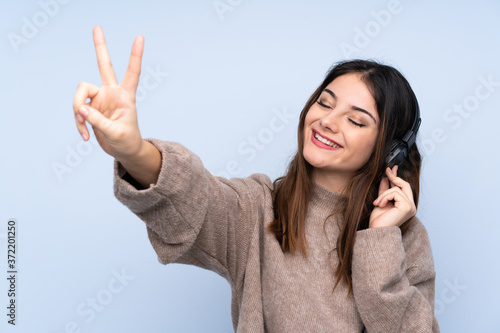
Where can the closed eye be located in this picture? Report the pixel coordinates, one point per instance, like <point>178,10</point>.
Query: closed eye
<point>329,107</point>
<point>357,124</point>
<point>323,104</point>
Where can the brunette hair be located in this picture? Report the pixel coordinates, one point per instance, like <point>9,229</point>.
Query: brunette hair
<point>397,107</point>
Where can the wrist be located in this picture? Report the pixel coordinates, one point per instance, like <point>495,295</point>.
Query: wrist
<point>145,165</point>
<point>133,154</point>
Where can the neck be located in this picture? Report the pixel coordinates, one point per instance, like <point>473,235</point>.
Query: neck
<point>334,182</point>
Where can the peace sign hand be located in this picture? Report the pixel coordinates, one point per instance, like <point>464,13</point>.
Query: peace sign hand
<point>388,213</point>
<point>111,110</point>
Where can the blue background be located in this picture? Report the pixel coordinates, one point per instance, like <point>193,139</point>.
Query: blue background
<point>215,73</point>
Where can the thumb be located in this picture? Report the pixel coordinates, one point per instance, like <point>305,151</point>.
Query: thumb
<point>96,119</point>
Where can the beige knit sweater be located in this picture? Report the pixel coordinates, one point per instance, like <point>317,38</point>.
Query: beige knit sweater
<point>195,218</point>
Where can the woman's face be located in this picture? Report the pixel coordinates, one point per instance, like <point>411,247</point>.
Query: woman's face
<point>341,128</point>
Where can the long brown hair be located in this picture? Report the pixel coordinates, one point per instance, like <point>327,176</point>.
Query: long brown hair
<point>396,106</point>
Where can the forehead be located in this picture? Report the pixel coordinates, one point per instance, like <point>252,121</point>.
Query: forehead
<point>350,89</point>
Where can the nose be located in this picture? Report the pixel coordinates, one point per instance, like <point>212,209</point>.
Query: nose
<point>330,122</point>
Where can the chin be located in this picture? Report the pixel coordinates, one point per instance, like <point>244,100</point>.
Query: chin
<point>320,164</point>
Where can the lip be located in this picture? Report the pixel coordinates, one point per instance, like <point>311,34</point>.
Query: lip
<point>321,144</point>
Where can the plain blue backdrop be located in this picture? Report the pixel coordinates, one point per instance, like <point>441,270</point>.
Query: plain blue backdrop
<point>214,76</point>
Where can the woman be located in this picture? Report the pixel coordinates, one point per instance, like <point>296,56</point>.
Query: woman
<point>331,246</point>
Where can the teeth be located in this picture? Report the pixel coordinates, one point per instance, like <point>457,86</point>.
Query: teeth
<point>326,141</point>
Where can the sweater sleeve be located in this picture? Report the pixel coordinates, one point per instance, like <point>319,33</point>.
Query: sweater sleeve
<point>393,279</point>
<point>193,217</point>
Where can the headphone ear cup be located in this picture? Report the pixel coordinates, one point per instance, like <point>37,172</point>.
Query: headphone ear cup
<point>397,153</point>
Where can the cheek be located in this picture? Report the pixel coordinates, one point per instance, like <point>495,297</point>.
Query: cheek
<point>371,145</point>
<point>366,145</point>
<point>309,118</point>
<point>307,123</point>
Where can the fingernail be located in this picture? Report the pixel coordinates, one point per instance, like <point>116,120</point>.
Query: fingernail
<point>84,136</point>
<point>79,118</point>
<point>84,111</point>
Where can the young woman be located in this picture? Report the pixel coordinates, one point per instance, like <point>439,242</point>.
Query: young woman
<point>332,246</point>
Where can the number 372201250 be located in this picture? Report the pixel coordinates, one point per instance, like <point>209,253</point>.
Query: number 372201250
<point>11,244</point>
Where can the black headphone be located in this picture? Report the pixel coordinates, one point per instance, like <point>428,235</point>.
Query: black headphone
<point>399,148</point>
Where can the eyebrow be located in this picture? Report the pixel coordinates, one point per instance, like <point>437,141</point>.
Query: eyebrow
<point>356,108</point>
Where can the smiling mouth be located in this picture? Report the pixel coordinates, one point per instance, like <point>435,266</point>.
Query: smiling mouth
<point>325,141</point>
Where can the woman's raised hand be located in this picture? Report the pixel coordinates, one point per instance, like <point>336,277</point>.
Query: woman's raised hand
<point>111,110</point>
<point>394,205</point>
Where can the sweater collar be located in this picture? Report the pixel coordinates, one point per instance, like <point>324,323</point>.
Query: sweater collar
<point>324,198</point>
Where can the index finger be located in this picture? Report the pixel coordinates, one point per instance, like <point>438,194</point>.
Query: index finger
<point>383,186</point>
<point>103,61</point>
<point>400,182</point>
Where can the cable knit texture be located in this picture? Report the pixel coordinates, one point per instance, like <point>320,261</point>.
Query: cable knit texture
<point>195,218</point>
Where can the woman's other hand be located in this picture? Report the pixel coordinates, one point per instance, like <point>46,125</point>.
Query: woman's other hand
<point>395,204</point>
<point>111,110</point>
